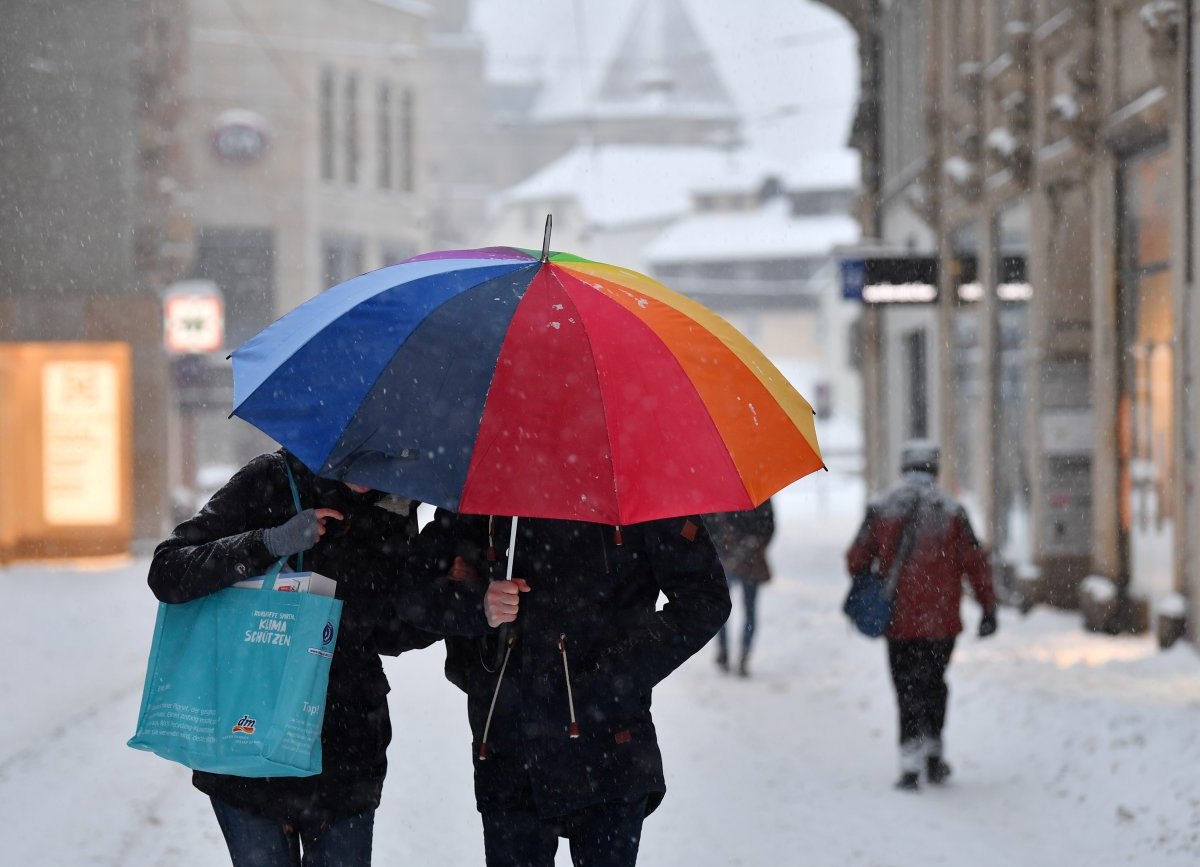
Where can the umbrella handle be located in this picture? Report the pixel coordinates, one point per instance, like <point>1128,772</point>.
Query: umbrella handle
<point>507,636</point>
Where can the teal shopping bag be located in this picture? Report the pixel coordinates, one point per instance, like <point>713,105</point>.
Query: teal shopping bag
<point>236,682</point>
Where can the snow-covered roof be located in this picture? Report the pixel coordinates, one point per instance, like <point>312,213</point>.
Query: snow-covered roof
<point>412,7</point>
<point>771,232</point>
<point>628,184</point>
<point>511,102</point>
<point>825,170</point>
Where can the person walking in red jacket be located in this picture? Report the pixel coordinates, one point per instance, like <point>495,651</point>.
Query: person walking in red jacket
<point>925,608</point>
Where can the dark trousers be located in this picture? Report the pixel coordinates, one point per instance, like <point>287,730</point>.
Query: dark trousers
<point>750,598</point>
<point>255,841</point>
<point>919,676</point>
<point>606,835</point>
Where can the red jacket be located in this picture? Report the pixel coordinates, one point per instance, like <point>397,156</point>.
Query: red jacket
<point>943,553</point>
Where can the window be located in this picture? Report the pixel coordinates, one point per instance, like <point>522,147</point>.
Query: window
<point>325,111</point>
<point>902,92</point>
<point>407,140</point>
<point>1146,375</point>
<point>350,116</point>
<point>343,258</point>
<point>386,155</point>
<point>917,374</point>
<point>1009,418</point>
<point>242,263</point>
<point>392,252</point>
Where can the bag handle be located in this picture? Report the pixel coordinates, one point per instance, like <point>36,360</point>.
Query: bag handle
<point>274,570</point>
<point>271,574</point>
<point>906,544</point>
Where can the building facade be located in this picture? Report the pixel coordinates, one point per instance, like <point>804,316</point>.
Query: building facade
<point>304,128</point>
<point>1048,166</point>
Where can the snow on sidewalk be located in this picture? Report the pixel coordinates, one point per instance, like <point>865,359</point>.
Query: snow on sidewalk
<point>1067,748</point>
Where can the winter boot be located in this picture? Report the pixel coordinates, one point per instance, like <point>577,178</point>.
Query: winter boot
<point>910,781</point>
<point>744,667</point>
<point>723,659</point>
<point>936,770</point>
<point>912,757</point>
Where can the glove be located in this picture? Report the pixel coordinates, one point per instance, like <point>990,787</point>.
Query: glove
<point>987,624</point>
<point>298,533</point>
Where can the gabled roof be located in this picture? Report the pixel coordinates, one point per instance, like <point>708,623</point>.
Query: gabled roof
<point>661,68</point>
<point>825,170</point>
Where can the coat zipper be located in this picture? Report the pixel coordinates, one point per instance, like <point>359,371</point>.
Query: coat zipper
<point>573,728</point>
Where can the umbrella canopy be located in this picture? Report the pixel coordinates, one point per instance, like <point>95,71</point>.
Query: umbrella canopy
<point>495,381</point>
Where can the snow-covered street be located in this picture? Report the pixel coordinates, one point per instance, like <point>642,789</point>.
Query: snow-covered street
<point>1067,748</point>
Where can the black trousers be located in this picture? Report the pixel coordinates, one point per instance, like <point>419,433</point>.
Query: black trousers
<point>605,835</point>
<point>919,676</point>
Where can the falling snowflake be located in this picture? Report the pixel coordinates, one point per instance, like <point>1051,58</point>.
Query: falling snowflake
<point>556,325</point>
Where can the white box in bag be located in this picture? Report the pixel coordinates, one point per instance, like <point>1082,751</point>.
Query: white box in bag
<point>296,582</point>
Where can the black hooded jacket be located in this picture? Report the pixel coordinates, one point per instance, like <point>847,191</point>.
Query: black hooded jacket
<point>591,619</point>
<point>367,554</point>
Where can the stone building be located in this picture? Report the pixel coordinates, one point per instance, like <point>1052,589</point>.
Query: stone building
<point>92,224</point>
<point>1040,153</point>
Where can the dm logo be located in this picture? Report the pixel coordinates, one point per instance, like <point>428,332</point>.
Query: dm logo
<point>327,633</point>
<point>245,724</point>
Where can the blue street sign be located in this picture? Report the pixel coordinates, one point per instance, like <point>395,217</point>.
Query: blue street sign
<point>854,276</point>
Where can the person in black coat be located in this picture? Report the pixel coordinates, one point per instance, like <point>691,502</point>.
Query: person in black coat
<point>564,742</point>
<point>361,539</point>
<point>741,539</point>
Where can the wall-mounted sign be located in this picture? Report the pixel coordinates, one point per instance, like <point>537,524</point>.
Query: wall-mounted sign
<point>891,279</point>
<point>193,317</point>
<point>81,443</point>
<point>240,136</point>
<point>914,280</point>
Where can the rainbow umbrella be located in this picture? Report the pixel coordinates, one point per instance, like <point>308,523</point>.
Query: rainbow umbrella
<point>497,381</point>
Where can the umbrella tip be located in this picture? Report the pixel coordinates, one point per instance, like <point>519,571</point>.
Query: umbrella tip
<point>546,238</point>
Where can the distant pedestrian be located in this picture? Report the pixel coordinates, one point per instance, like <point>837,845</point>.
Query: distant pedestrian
<point>925,611</point>
<point>741,539</point>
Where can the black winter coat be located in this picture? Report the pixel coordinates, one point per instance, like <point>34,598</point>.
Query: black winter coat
<point>367,555</point>
<point>741,539</point>
<point>600,598</point>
